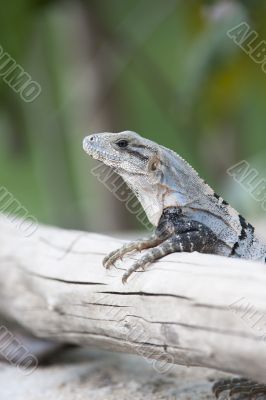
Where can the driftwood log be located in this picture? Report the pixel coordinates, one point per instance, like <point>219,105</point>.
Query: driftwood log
<point>188,309</point>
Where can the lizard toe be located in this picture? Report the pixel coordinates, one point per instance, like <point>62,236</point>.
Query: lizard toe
<point>107,262</point>
<point>125,278</point>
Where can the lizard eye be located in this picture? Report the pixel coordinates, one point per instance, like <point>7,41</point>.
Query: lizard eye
<point>122,143</point>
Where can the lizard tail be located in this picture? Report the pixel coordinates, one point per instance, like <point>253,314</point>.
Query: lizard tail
<point>239,389</point>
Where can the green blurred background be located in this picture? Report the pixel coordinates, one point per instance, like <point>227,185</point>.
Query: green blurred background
<point>165,69</point>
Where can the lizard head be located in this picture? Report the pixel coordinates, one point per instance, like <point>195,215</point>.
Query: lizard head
<point>126,152</point>
<point>149,169</point>
<point>137,160</point>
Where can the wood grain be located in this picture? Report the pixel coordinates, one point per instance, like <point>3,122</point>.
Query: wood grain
<point>187,309</point>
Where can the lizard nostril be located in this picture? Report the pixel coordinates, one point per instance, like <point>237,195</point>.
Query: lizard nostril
<point>86,142</point>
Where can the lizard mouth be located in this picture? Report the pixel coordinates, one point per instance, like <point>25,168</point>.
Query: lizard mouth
<point>93,149</point>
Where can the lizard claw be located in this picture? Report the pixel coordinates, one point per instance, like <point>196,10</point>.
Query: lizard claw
<point>125,278</point>
<point>111,258</point>
<point>106,266</point>
<point>106,262</point>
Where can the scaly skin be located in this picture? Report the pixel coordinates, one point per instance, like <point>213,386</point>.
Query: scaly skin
<point>187,213</point>
<point>161,179</point>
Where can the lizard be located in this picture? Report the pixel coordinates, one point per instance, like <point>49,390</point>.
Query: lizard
<point>188,215</point>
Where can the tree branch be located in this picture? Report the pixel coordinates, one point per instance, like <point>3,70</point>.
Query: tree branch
<point>188,309</point>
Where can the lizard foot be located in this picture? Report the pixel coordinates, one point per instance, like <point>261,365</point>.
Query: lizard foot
<point>195,240</point>
<point>152,255</point>
<point>239,389</point>
<point>137,245</point>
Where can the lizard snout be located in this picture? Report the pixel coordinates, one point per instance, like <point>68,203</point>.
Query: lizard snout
<point>88,141</point>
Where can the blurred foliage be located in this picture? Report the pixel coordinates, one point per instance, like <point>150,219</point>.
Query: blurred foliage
<point>167,70</point>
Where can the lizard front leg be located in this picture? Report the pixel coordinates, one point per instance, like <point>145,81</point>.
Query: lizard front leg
<point>137,245</point>
<point>193,236</point>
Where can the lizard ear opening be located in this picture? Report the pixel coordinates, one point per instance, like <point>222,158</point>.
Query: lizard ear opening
<point>154,164</point>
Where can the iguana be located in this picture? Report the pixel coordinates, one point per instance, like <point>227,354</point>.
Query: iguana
<point>187,214</point>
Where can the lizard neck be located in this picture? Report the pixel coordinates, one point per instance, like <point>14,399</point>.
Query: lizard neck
<point>150,198</point>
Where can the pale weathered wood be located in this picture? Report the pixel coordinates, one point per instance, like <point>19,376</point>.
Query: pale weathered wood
<point>190,309</point>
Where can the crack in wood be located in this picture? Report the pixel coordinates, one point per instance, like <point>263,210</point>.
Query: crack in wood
<point>85,304</point>
<point>61,280</point>
<point>126,341</point>
<point>69,250</point>
<point>196,327</point>
<point>147,294</point>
